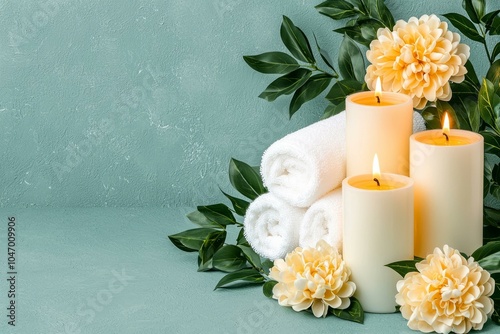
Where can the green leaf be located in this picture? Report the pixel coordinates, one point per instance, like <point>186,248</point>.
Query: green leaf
<point>385,14</point>
<point>351,62</point>
<point>267,288</point>
<point>314,86</point>
<point>245,179</point>
<point>250,255</point>
<point>241,240</point>
<point>491,217</point>
<point>336,9</point>
<point>485,103</point>
<point>403,267</point>
<point>491,142</point>
<point>296,41</point>
<point>242,277</point>
<point>218,213</point>
<point>432,117</point>
<point>475,9</point>
<point>190,240</point>
<point>360,5</point>
<point>491,262</point>
<point>465,26</point>
<point>496,51</point>
<point>495,182</point>
<point>491,233</point>
<point>341,89</point>
<point>200,219</point>
<point>378,10</point>
<point>368,28</point>
<point>470,76</point>
<point>332,110</point>
<point>486,250</point>
<point>489,18</point>
<point>285,84</point>
<point>229,258</point>
<point>495,27</point>
<point>267,265</point>
<point>473,115</point>
<point>354,32</point>
<point>324,55</point>
<point>493,74</point>
<point>272,62</point>
<point>353,313</point>
<point>495,316</point>
<point>496,294</point>
<point>240,206</point>
<point>212,243</point>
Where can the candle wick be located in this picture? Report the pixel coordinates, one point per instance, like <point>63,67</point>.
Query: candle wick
<point>376,180</point>
<point>378,98</point>
<point>444,134</point>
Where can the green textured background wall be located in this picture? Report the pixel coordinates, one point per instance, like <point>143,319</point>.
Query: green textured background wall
<point>142,103</point>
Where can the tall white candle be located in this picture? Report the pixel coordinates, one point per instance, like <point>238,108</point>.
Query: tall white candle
<point>382,128</point>
<point>448,177</point>
<point>378,229</point>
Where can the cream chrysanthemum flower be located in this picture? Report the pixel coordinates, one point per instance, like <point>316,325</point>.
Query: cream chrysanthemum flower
<point>418,58</point>
<point>448,293</point>
<point>313,277</point>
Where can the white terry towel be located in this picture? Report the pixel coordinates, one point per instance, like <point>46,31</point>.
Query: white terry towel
<point>306,164</point>
<point>323,220</point>
<point>272,226</point>
<point>418,122</point>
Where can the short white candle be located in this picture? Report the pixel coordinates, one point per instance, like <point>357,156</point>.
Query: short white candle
<point>448,177</point>
<point>382,128</point>
<point>378,229</point>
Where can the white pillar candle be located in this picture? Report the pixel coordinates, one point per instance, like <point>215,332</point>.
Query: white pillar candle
<point>378,229</point>
<point>448,177</point>
<point>382,128</point>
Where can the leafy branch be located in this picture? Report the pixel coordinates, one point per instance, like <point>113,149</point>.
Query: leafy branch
<point>474,106</point>
<point>239,260</point>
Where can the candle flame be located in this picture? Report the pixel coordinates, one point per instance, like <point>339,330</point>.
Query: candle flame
<point>376,168</point>
<point>378,89</point>
<point>446,124</point>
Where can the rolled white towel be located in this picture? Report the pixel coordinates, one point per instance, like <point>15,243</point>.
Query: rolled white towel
<point>323,221</point>
<point>272,226</point>
<point>306,164</point>
<point>418,122</point>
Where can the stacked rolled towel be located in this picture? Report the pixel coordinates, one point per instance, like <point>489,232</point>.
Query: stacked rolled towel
<point>418,122</point>
<point>323,220</point>
<point>306,164</point>
<point>301,171</point>
<point>272,226</point>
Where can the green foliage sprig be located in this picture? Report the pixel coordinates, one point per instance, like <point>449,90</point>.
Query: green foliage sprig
<point>475,103</point>
<point>307,72</point>
<point>242,265</point>
<point>239,260</point>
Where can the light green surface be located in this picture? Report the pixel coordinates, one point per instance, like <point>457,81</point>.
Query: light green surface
<point>143,102</point>
<point>66,260</point>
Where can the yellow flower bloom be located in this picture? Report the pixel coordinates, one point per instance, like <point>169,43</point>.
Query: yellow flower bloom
<point>313,277</point>
<point>448,293</point>
<point>418,58</point>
